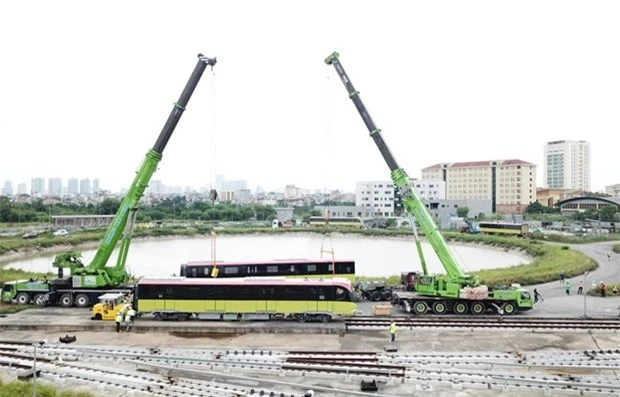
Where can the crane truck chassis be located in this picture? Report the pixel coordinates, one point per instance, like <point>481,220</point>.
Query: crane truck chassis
<point>455,292</point>
<point>87,282</point>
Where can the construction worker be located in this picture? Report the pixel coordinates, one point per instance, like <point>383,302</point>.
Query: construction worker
<point>393,331</point>
<point>129,319</point>
<point>119,320</point>
<point>131,313</point>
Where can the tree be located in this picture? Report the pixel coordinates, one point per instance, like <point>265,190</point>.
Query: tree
<point>462,212</point>
<point>109,206</point>
<point>608,213</point>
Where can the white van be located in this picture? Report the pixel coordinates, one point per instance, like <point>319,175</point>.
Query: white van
<point>275,224</point>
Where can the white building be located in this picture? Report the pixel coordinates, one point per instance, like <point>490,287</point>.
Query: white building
<point>380,196</point>
<point>37,186</point>
<point>7,190</point>
<point>85,187</point>
<point>377,196</point>
<point>509,184</point>
<point>73,186</point>
<point>613,190</point>
<point>567,165</point>
<point>292,192</point>
<point>54,187</point>
<point>22,188</point>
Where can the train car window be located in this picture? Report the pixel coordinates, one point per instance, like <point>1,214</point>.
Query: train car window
<point>207,271</point>
<point>194,272</point>
<point>341,294</point>
<point>231,270</point>
<point>272,269</point>
<point>330,268</point>
<point>322,294</point>
<point>311,268</point>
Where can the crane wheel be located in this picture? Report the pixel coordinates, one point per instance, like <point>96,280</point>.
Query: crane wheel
<point>478,308</point>
<point>23,298</point>
<point>509,308</point>
<point>420,307</point>
<point>81,300</point>
<point>460,308</point>
<point>440,307</point>
<point>38,300</point>
<point>66,300</point>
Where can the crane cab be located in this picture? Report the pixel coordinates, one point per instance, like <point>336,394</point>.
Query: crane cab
<point>110,305</point>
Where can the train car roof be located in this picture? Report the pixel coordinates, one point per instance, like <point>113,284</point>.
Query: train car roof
<point>265,262</point>
<point>335,281</point>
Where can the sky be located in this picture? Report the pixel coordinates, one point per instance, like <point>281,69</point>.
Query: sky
<point>86,87</point>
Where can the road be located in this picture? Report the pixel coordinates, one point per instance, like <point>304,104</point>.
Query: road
<point>554,293</point>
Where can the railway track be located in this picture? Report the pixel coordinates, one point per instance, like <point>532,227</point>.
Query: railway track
<point>484,322</point>
<point>176,372</point>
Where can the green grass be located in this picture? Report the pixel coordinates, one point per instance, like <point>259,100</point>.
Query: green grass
<point>9,308</point>
<point>616,248</point>
<point>19,274</point>
<point>25,389</point>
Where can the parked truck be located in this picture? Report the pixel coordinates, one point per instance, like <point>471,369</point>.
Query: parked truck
<point>455,292</point>
<point>87,282</point>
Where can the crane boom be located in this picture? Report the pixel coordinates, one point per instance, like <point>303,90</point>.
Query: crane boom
<point>123,220</point>
<point>411,199</point>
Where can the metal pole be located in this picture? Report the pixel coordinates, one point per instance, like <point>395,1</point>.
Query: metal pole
<point>34,370</point>
<point>585,293</point>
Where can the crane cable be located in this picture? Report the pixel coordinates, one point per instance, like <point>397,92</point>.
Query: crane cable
<point>213,196</point>
<point>327,134</point>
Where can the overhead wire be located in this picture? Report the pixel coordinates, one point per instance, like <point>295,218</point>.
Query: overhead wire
<point>326,172</point>
<point>213,195</point>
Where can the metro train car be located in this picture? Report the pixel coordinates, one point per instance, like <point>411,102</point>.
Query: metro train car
<point>271,268</point>
<point>249,298</point>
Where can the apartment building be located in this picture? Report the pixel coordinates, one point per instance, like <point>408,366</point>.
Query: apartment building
<point>383,199</point>
<point>509,184</point>
<point>613,190</point>
<point>567,165</point>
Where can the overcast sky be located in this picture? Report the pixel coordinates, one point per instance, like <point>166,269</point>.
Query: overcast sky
<point>86,87</point>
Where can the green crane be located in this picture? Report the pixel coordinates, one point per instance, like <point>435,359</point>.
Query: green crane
<point>96,274</point>
<point>460,288</point>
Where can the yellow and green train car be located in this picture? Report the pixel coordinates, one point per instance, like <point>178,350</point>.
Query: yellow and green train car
<point>504,228</point>
<point>353,222</point>
<point>250,298</point>
<point>314,268</point>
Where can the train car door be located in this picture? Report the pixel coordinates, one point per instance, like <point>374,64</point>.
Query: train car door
<point>323,300</point>
<point>169,299</point>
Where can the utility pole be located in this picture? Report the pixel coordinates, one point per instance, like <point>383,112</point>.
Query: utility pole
<point>585,293</point>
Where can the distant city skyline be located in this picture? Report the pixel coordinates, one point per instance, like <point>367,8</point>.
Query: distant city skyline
<point>478,81</point>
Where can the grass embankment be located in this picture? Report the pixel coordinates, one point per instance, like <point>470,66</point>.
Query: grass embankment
<point>25,389</point>
<point>616,248</point>
<point>549,259</point>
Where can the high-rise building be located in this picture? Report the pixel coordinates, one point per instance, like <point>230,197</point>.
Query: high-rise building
<point>509,184</point>
<point>72,186</point>
<point>37,186</point>
<point>85,186</point>
<point>7,190</point>
<point>22,188</point>
<point>54,187</point>
<point>567,165</point>
<point>96,186</point>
